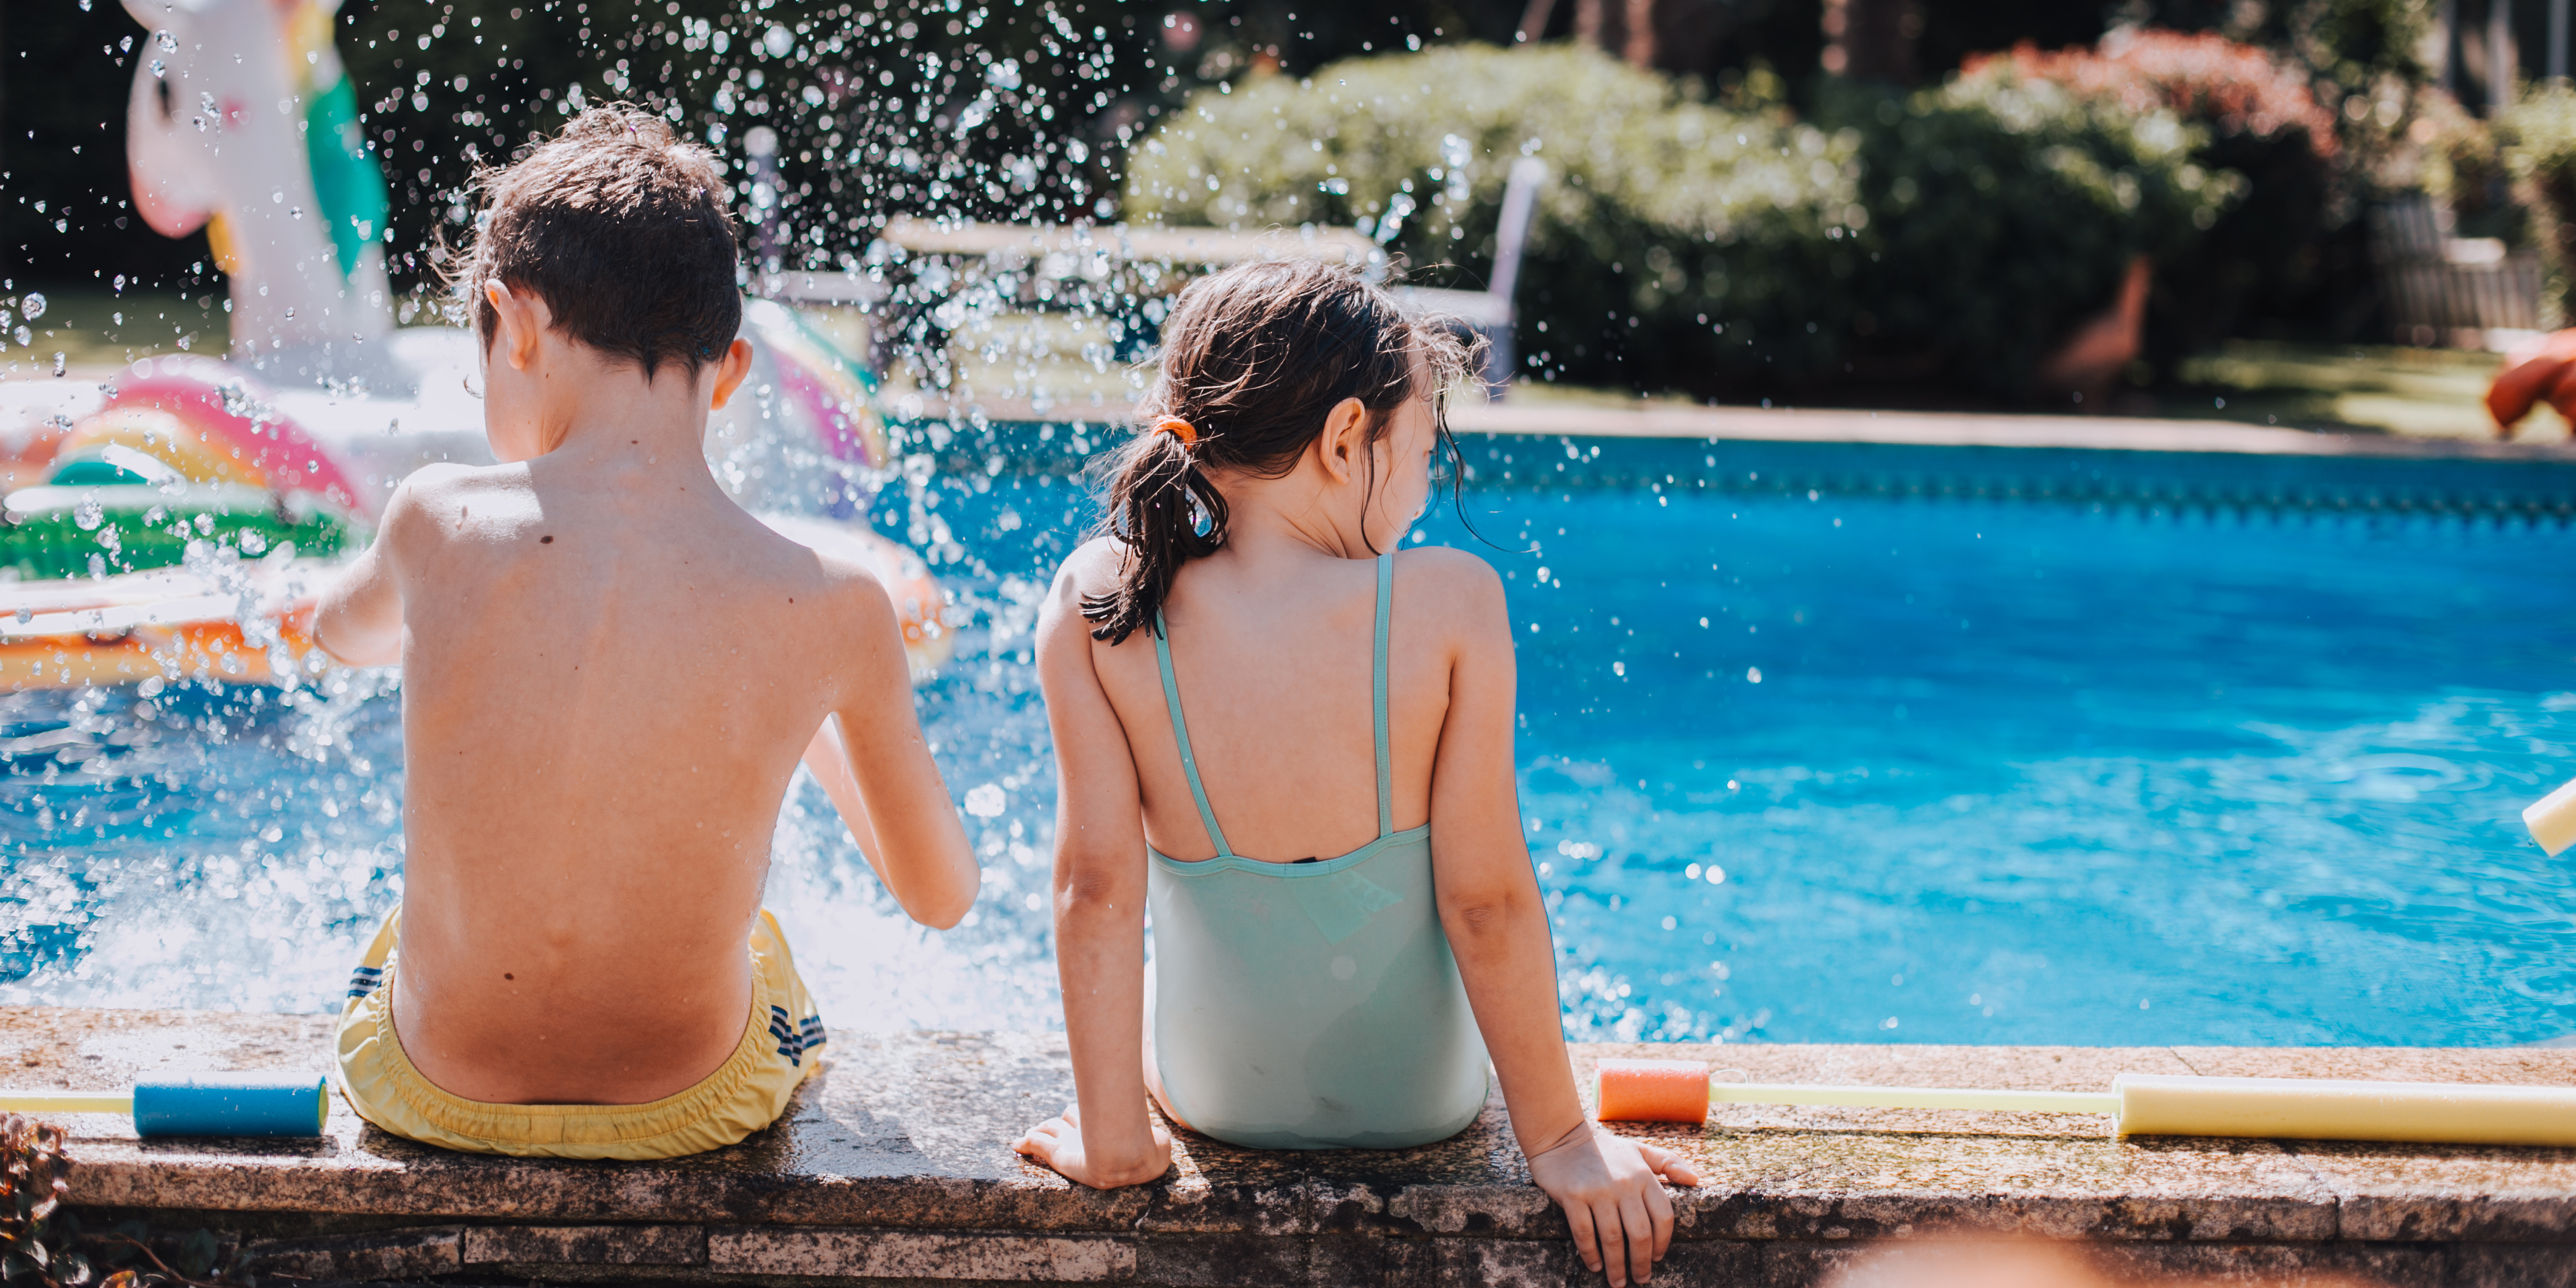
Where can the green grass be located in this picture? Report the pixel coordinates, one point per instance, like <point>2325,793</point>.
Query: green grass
<point>2418,393</point>
<point>92,328</point>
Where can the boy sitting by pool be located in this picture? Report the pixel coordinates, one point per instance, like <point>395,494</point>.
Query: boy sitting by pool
<point>609,674</point>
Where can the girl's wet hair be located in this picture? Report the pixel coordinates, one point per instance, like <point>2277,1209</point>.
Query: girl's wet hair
<point>1254,358</point>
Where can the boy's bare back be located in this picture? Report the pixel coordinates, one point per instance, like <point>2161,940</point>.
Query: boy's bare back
<point>617,673</point>
<point>610,672</point>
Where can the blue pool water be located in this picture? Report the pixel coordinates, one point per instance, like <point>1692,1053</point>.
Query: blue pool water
<point>2116,765</point>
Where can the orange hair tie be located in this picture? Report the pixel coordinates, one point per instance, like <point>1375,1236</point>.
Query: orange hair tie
<point>1180,429</point>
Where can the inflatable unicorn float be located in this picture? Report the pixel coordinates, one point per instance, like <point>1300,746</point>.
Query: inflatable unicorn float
<point>179,510</point>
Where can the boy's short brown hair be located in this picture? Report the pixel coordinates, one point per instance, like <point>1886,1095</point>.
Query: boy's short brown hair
<point>624,231</point>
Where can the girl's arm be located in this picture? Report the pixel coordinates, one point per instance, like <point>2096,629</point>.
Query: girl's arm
<point>1107,1139</point>
<point>875,766</point>
<point>1496,921</point>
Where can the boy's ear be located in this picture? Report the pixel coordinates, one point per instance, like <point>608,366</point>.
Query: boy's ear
<point>731,370</point>
<point>1345,436</point>
<point>520,318</point>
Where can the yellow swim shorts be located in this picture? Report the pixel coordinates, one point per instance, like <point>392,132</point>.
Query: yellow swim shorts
<point>779,1046</point>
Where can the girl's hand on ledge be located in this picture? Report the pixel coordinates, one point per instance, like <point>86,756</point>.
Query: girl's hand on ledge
<point>1058,1143</point>
<point>1608,1186</point>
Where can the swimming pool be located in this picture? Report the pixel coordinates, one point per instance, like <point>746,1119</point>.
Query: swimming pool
<point>1821,744</point>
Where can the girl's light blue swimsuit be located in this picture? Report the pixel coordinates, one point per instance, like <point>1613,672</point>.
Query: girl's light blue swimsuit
<point>1310,1005</point>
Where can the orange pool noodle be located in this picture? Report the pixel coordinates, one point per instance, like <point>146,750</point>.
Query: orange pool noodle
<point>1652,1091</point>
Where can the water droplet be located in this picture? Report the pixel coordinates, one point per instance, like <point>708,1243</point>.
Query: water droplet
<point>33,306</point>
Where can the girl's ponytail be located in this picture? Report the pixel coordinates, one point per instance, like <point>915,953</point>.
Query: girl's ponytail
<point>1253,360</point>
<point>1156,494</point>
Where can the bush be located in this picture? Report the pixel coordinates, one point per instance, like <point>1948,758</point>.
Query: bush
<point>2009,206</point>
<point>1955,235</point>
<point>2460,163</point>
<point>1417,148</point>
<point>2537,137</point>
<point>2258,119</point>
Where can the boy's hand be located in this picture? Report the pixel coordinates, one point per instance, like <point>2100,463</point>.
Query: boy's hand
<point>1058,1143</point>
<point>1623,1221</point>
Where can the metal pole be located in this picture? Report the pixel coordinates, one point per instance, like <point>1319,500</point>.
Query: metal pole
<point>1520,200</point>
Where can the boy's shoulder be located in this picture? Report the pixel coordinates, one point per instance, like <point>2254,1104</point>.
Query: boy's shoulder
<point>445,485</point>
<point>433,498</point>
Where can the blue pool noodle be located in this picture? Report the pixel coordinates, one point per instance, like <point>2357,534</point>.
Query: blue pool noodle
<point>232,1104</point>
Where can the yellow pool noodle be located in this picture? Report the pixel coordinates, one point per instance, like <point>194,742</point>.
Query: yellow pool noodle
<point>67,1102</point>
<point>2165,1105</point>
<point>2552,820</point>
<point>2035,1102</point>
<point>2333,1109</point>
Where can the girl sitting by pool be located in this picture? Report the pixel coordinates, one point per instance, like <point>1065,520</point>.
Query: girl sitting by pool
<point>1346,923</point>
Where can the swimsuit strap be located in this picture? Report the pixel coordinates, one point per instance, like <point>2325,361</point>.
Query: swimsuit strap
<point>1385,764</point>
<point>1181,734</point>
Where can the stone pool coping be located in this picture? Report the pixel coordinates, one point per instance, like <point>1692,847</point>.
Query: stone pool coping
<point>1671,420</point>
<point>894,1164</point>
<point>1979,429</point>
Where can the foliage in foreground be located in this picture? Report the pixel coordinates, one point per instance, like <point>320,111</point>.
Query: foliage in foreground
<point>42,1244</point>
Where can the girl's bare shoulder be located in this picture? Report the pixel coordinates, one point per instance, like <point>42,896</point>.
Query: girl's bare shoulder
<point>1089,573</point>
<point>1450,585</point>
<point>1092,568</point>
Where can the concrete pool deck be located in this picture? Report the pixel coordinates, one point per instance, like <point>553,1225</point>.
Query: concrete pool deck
<point>895,1166</point>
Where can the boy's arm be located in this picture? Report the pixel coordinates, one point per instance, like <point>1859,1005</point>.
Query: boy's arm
<point>1108,1139</point>
<point>1496,921</point>
<point>358,618</point>
<point>877,769</point>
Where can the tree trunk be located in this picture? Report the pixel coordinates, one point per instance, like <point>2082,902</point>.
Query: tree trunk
<point>1602,24</point>
<point>1872,39</point>
<point>1664,35</point>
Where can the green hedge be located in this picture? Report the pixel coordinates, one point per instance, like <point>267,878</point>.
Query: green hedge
<point>1953,235</point>
<point>2537,137</point>
<point>1417,148</point>
<point>2010,207</point>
